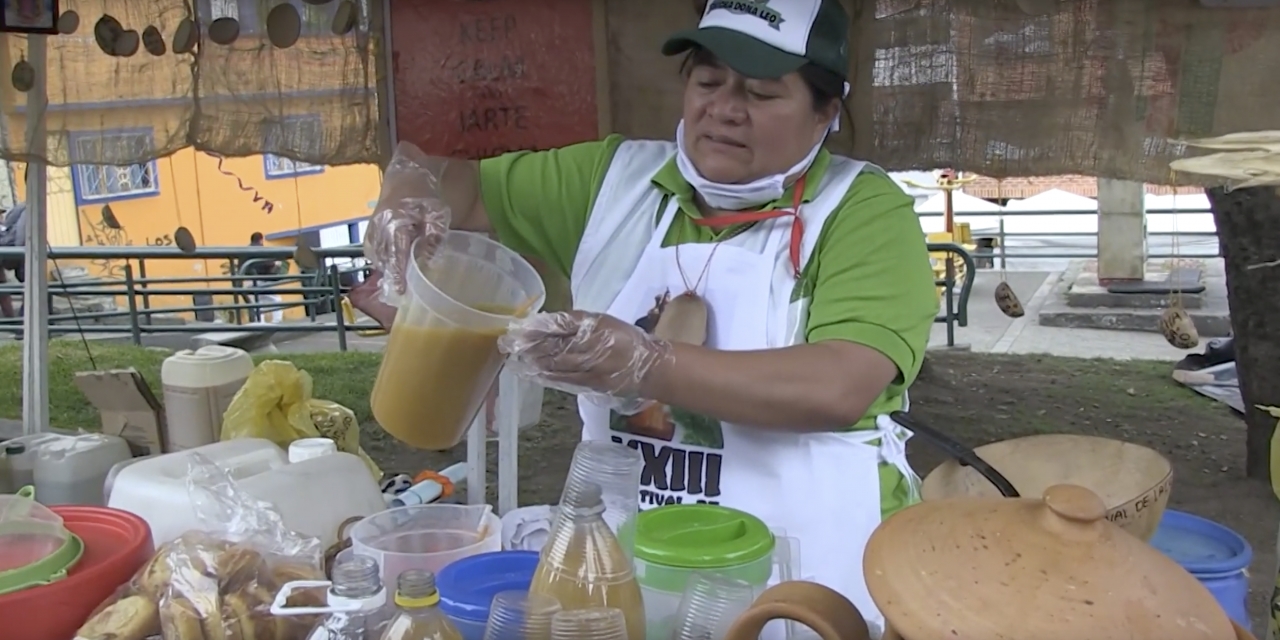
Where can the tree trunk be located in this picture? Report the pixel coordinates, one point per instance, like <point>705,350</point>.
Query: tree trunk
<point>1248,222</point>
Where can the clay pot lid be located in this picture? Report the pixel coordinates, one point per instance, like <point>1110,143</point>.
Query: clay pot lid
<point>1031,569</point>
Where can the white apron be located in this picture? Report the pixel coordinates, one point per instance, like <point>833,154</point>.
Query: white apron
<point>822,489</point>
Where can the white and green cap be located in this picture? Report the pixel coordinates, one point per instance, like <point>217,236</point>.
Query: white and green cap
<point>771,38</point>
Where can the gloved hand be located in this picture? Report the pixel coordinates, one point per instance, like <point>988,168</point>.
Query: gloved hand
<point>583,352</point>
<point>409,210</point>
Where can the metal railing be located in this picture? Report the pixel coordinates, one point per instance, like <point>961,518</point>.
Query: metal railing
<point>1001,253</point>
<point>322,292</point>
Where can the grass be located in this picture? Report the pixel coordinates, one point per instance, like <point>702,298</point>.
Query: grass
<point>1033,387</point>
<point>345,378</point>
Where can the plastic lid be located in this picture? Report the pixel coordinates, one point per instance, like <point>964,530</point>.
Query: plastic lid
<point>35,547</point>
<point>15,449</point>
<point>308,448</point>
<point>701,536</point>
<point>1201,546</point>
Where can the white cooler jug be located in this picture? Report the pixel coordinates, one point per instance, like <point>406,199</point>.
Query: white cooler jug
<point>313,495</point>
<point>198,388</point>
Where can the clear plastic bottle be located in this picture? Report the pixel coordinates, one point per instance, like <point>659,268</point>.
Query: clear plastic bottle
<point>583,566</point>
<point>419,618</point>
<point>357,593</point>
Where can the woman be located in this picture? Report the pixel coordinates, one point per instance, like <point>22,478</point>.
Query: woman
<point>794,285</point>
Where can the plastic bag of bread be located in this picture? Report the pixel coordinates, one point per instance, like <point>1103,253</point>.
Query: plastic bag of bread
<point>216,583</point>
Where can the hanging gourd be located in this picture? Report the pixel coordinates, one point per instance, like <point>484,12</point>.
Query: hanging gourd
<point>185,241</point>
<point>184,37</point>
<point>224,31</point>
<point>23,76</point>
<point>109,218</point>
<point>1178,328</point>
<point>305,256</point>
<point>344,18</point>
<point>1007,300</point>
<point>153,41</point>
<point>284,26</point>
<point>68,22</point>
<point>106,32</point>
<point>127,44</point>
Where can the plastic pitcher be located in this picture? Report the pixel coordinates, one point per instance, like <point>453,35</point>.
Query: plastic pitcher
<point>442,357</point>
<point>675,541</point>
<point>425,536</point>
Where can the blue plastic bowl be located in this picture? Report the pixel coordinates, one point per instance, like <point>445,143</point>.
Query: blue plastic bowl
<point>467,587</point>
<point>1214,554</point>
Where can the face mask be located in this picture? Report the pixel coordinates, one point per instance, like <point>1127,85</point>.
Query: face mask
<point>736,197</point>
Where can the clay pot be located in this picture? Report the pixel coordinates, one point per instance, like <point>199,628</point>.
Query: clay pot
<point>823,610</point>
<point>1050,568</point>
<point>1132,480</point>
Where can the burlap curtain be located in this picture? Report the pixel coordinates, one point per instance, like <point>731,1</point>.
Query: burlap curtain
<point>314,101</point>
<point>998,87</point>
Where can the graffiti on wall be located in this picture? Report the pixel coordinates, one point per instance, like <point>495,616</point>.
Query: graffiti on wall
<point>263,203</point>
<point>98,233</point>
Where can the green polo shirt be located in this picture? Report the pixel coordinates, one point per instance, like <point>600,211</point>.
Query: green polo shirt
<point>869,275</point>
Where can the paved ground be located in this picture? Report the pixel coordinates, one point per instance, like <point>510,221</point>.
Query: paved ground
<point>989,330</point>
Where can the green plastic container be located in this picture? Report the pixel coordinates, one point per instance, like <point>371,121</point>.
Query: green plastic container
<point>673,542</point>
<point>35,549</point>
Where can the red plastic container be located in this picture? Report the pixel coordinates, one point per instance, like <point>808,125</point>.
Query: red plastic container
<point>116,544</point>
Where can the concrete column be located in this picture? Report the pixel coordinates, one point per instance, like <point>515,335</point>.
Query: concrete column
<point>1122,231</point>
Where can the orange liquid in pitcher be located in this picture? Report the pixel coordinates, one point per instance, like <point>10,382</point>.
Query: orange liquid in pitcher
<point>434,379</point>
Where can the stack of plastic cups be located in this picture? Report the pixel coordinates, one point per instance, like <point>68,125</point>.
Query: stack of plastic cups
<point>710,604</point>
<point>616,468</point>
<point>520,615</point>
<point>601,623</point>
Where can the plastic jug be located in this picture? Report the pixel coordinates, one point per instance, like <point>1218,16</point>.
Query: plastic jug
<point>313,495</point>
<point>74,470</point>
<point>673,542</point>
<point>442,356</point>
<point>198,388</point>
<point>425,536</point>
<point>21,454</point>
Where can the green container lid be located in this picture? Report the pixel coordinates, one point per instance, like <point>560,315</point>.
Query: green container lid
<point>701,536</point>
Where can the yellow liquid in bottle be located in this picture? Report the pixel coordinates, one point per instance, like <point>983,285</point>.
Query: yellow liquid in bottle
<point>418,617</point>
<point>417,626</point>
<point>583,567</point>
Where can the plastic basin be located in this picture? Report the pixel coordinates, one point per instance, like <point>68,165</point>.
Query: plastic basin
<point>1214,554</point>
<point>467,587</point>
<point>116,545</point>
<point>425,536</point>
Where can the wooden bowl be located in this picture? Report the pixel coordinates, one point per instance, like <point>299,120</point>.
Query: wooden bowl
<point>1133,481</point>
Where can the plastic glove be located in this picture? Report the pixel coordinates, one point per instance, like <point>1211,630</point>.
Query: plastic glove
<point>578,351</point>
<point>409,209</point>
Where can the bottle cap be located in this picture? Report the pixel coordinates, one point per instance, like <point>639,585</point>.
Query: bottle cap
<point>308,448</point>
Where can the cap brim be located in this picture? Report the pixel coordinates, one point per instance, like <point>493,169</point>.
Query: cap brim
<point>741,52</point>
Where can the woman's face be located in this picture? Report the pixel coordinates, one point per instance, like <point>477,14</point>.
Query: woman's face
<point>740,129</point>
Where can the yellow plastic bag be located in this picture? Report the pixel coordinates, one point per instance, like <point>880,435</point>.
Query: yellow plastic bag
<point>275,403</point>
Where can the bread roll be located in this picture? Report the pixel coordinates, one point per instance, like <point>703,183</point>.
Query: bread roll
<point>132,618</point>
<point>180,620</point>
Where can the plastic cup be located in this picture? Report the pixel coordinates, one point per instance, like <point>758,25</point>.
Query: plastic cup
<point>710,604</point>
<point>601,623</point>
<point>520,615</point>
<point>616,468</point>
<point>442,356</point>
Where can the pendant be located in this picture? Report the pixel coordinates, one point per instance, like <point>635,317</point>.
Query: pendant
<point>684,319</point>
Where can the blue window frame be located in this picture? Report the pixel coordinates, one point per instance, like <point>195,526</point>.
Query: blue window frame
<point>303,134</point>
<point>97,179</point>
